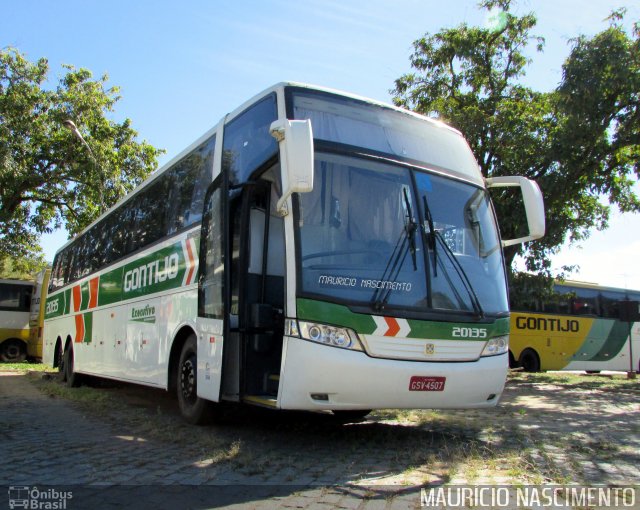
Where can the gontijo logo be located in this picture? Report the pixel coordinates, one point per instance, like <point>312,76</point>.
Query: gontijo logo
<point>154,272</point>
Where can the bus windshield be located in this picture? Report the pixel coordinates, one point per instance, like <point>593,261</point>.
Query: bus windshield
<point>395,237</point>
<point>383,130</point>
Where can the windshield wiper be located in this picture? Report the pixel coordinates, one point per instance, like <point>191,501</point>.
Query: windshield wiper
<point>406,243</point>
<point>410,227</point>
<point>432,235</point>
<point>462,274</point>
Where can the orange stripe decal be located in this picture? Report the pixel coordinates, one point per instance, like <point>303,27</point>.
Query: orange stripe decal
<point>77,298</point>
<point>394,327</point>
<point>93,292</point>
<point>191,262</point>
<point>79,328</point>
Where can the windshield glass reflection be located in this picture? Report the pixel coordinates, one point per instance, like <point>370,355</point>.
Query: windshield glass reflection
<point>364,238</point>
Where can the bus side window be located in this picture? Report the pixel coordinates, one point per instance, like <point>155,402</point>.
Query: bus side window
<point>188,181</point>
<point>248,144</point>
<point>211,299</point>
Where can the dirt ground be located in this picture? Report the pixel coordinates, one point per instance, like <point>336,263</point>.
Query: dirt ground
<point>547,429</point>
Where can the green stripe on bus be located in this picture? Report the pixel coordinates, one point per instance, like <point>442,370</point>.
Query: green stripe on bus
<point>84,291</point>
<point>444,330</point>
<point>67,301</point>
<point>594,341</point>
<point>159,271</point>
<point>614,342</point>
<point>110,287</point>
<point>330,313</point>
<point>88,327</point>
<point>339,315</point>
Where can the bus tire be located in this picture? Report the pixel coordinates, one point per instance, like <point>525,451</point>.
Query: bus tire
<point>72,378</point>
<point>529,360</point>
<point>13,351</point>
<point>59,361</point>
<point>194,409</point>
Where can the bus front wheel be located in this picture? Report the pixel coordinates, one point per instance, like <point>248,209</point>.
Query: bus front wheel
<point>530,361</point>
<point>194,409</point>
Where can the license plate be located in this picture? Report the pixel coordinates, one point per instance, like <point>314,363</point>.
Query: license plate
<point>422,383</point>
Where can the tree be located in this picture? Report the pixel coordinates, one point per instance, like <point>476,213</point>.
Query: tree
<point>51,176</point>
<point>579,142</point>
<point>22,269</point>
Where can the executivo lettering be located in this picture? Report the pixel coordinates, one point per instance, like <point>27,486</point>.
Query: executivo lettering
<point>146,314</point>
<point>152,273</point>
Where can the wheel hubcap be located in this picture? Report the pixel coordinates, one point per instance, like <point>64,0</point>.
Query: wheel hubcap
<point>188,380</point>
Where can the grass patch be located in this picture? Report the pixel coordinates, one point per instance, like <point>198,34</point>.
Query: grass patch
<point>25,366</point>
<point>573,380</point>
<point>91,398</point>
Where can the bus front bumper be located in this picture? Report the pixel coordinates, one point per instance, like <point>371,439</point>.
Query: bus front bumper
<point>316,377</point>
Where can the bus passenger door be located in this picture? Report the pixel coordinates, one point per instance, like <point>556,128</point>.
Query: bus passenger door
<point>210,319</point>
<point>261,271</point>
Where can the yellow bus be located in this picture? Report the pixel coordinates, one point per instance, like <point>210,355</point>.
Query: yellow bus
<point>15,303</point>
<point>36,318</point>
<point>581,327</point>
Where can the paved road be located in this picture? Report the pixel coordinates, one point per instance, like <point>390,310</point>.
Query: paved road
<point>145,457</point>
<point>51,444</point>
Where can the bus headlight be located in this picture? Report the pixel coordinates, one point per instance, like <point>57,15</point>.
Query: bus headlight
<point>495,346</point>
<point>344,338</point>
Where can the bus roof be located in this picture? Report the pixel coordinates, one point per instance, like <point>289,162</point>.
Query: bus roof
<point>237,111</point>
<point>592,286</point>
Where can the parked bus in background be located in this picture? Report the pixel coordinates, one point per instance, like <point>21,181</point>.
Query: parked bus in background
<point>581,326</point>
<point>315,250</point>
<point>36,318</point>
<point>15,302</point>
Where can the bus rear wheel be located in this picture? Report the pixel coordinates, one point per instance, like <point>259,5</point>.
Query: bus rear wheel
<point>13,351</point>
<point>194,409</point>
<point>530,361</point>
<point>59,361</point>
<point>70,376</point>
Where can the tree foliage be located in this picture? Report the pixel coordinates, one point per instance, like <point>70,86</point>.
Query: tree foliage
<point>580,141</point>
<point>49,176</point>
<point>23,268</point>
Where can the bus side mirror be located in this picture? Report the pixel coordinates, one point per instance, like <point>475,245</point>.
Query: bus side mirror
<point>533,204</point>
<point>295,139</point>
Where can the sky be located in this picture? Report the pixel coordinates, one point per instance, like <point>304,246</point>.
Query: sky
<point>181,66</point>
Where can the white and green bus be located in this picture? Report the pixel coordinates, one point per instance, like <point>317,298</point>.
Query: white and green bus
<point>315,251</point>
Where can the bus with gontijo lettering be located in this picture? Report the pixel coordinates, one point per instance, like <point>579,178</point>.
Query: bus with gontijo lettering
<point>579,326</point>
<point>15,306</point>
<point>315,250</point>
